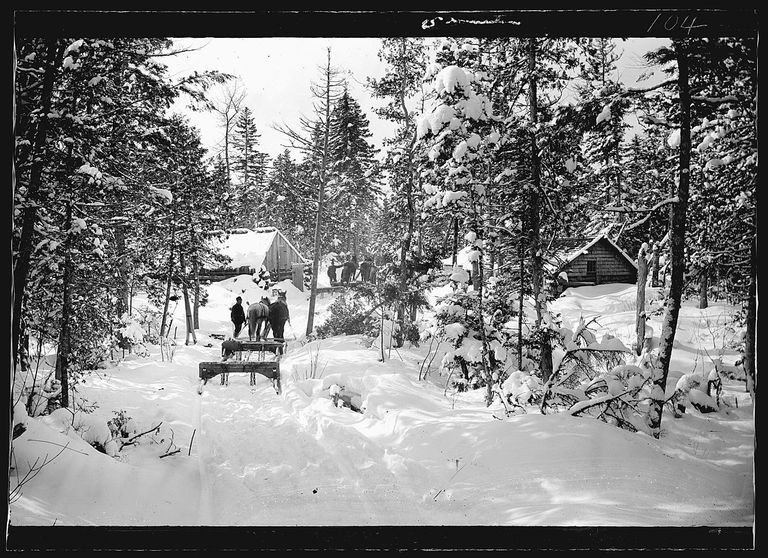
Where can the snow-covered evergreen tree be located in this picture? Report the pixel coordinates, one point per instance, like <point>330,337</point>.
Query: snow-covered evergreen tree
<point>353,186</point>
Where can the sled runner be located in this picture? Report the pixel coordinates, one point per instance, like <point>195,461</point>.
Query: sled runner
<point>237,349</point>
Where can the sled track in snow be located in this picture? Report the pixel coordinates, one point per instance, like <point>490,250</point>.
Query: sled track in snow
<point>265,462</point>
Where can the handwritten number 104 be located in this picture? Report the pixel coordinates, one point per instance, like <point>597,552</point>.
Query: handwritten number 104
<point>674,21</point>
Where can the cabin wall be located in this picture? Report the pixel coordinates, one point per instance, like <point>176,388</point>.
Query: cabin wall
<point>612,267</point>
<point>280,256</point>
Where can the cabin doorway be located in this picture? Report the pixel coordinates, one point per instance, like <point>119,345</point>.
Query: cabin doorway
<point>592,271</point>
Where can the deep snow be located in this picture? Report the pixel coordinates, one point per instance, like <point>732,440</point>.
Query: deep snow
<point>416,455</point>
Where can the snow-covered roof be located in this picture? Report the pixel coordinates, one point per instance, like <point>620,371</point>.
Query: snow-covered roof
<point>568,249</point>
<point>248,247</point>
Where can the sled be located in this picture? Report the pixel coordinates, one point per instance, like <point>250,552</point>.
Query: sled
<point>267,368</point>
<point>237,364</point>
<point>275,347</point>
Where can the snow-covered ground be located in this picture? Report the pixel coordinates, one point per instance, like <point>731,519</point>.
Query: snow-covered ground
<point>416,455</point>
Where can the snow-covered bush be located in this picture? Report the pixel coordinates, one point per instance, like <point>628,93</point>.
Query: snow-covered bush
<point>592,378</point>
<point>149,316</point>
<point>347,316</point>
<point>91,427</point>
<point>262,278</point>
<point>20,418</point>
<point>122,426</point>
<point>389,333</point>
<point>475,361</point>
<point>522,388</point>
<point>36,390</point>
<point>697,390</point>
<point>131,335</point>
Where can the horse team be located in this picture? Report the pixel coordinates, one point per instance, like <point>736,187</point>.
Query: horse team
<point>349,270</point>
<point>261,317</point>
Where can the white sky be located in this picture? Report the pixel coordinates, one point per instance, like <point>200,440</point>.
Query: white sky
<point>277,73</point>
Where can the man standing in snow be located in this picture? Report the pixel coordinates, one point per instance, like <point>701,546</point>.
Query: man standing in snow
<point>238,316</point>
<point>332,272</point>
<point>365,269</point>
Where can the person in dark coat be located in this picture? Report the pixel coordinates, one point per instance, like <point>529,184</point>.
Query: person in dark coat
<point>332,272</point>
<point>365,270</point>
<point>278,315</point>
<point>237,315</point>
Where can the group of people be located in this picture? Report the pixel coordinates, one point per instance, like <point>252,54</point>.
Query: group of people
<point>261,317</point>
<point>349,270</point>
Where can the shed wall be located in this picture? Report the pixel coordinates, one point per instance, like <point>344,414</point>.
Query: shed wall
<point>612,267</point>
<point>281,255</point>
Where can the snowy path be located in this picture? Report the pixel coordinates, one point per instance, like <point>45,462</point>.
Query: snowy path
<point>268,462</point>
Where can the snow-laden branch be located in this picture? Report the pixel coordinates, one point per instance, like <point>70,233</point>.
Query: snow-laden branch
<point>653,120</point>
<point>651,210</point>
<point>582,406</point>
<point>622,209</point>
<point>640,90</point>
<point>716,100</point>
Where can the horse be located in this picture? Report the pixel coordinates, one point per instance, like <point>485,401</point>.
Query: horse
<point>258,316</point>
<point>348,272</point>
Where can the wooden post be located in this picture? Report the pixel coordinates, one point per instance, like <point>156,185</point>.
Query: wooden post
<point>297,270</point>
<point>703,286</point>
<point>642,276</point>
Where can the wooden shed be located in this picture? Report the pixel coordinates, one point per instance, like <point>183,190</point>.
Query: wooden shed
<point>249,249</point>
<point>590,261</point>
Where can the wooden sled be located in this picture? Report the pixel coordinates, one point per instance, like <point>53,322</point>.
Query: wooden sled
<point>275,347</point>
<point>234,362</point>
<point>267,368</point>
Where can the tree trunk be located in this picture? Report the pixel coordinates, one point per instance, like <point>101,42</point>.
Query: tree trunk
<point>477,283</point>
<point>29,213</point>
<point>655,266</point>
<point>455,241</point>
<point>545,353</point>
<point>476,278</point>
<point>226,151</point>
<point>64,349</point>
<point>130,298</point>
<point>703,287</point>
<point>320,194</point>
<point>521,256</point>
<point>405,246</point>
<point>187,305</point>
<point>246,156</point>
<point>750,362</point>
<point>170,278</point>
<point>24,348</point>
<point>642,276</point>
<point>677,247</point>
<point>196,310</point>
<point>123,289</point>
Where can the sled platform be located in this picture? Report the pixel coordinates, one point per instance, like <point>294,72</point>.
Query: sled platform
<point>276,347</point>
<point>267,368</point>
